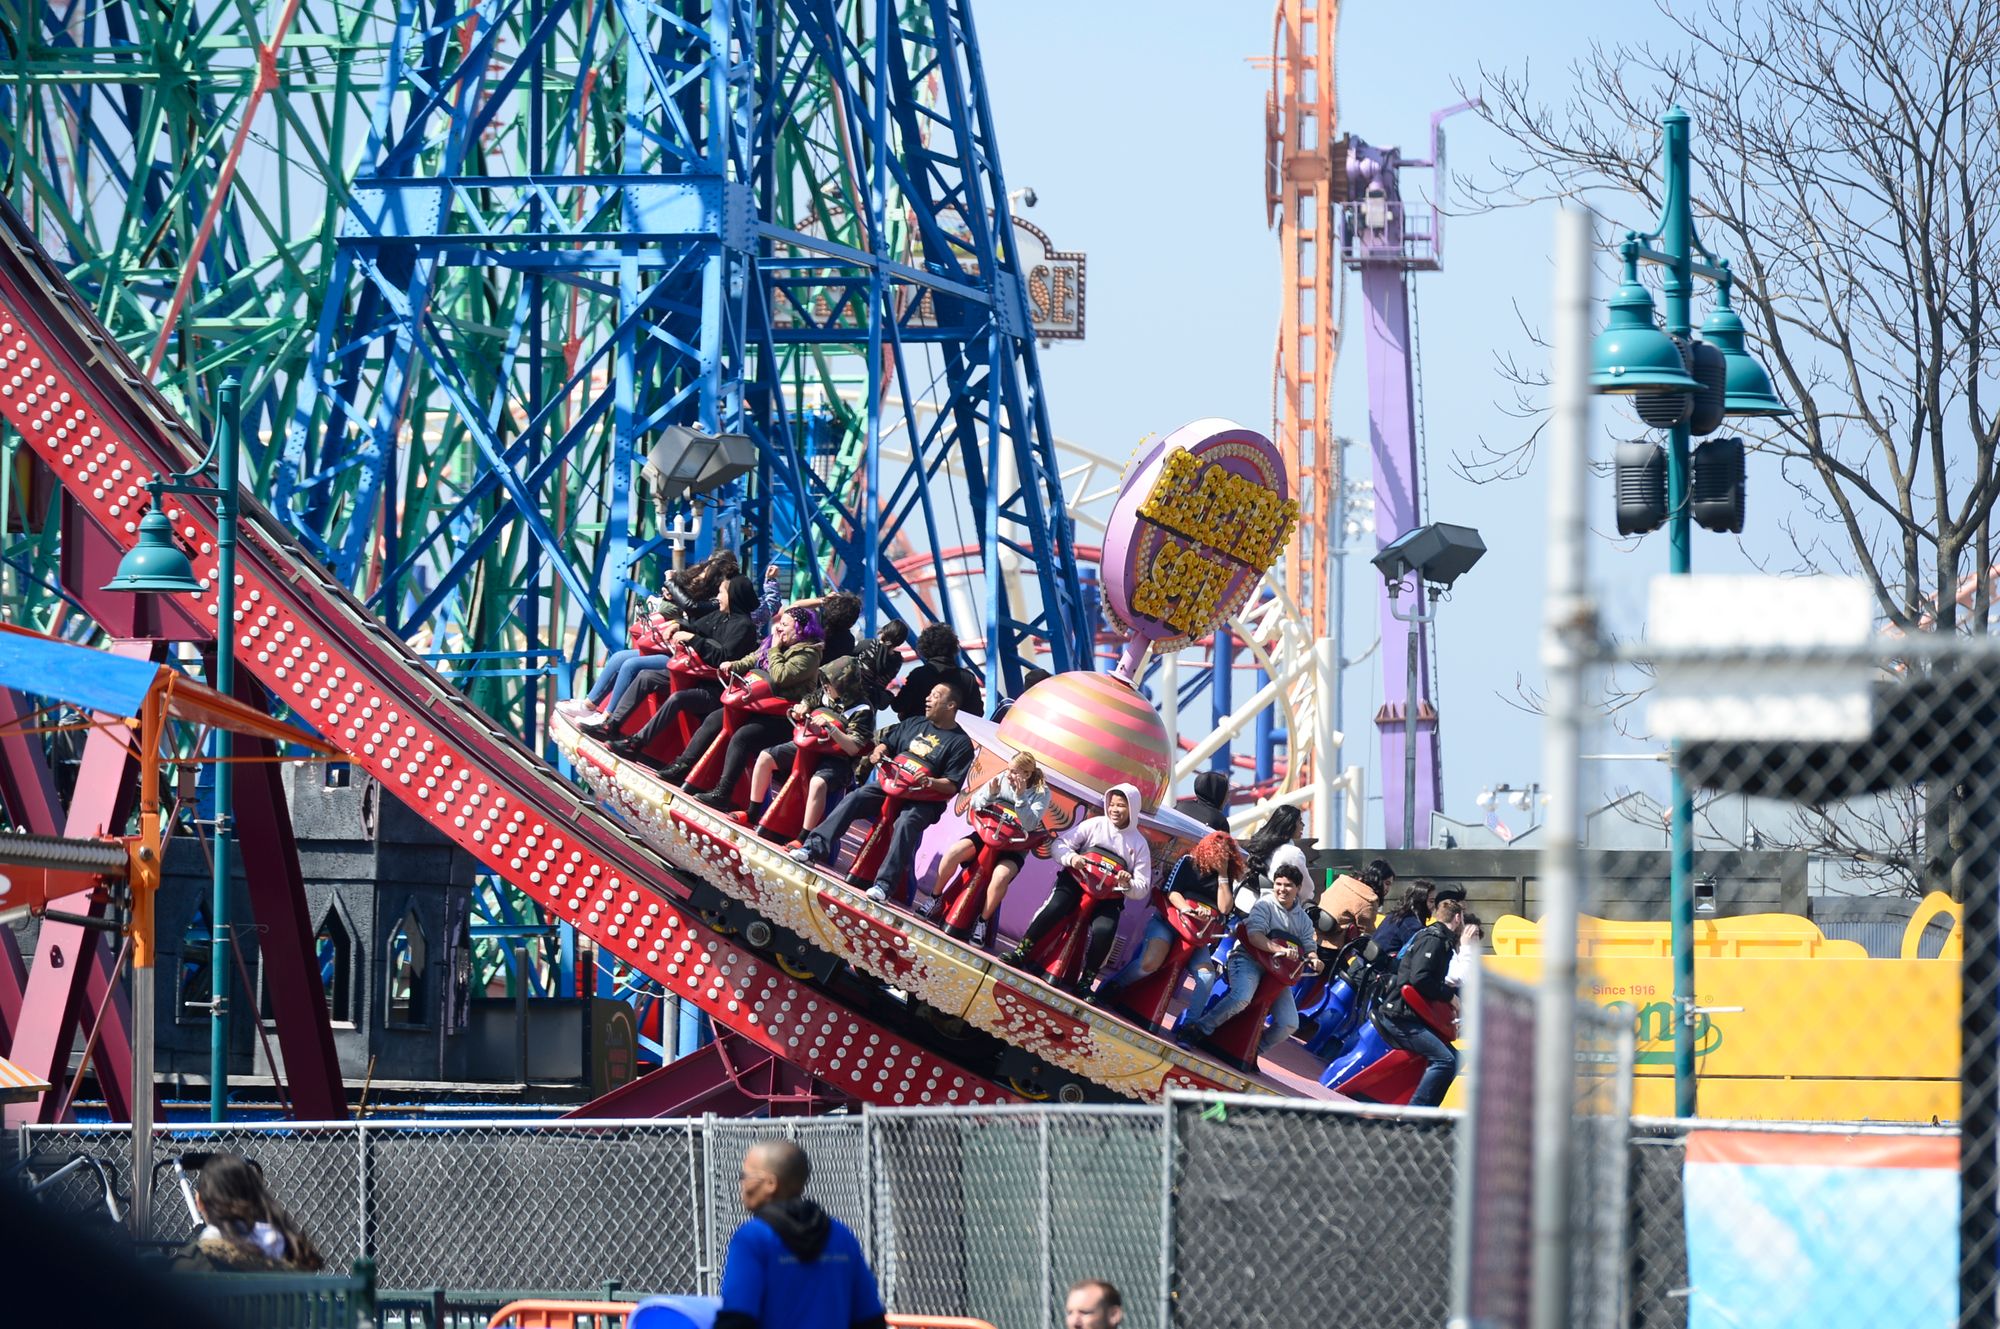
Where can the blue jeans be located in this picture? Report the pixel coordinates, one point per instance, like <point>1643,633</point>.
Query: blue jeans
<point>620,670</point>
<point>865,804</point>
<point>1244,975</point>
<point>1418,1037</point>
<point>1156,929</point>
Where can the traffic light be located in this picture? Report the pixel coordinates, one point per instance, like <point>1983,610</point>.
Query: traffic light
<point>1711,371</point>
<point>1640,467</point>
<point>1715,490</point>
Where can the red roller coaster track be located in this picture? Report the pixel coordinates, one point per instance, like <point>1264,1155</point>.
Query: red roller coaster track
<point>97,422</point>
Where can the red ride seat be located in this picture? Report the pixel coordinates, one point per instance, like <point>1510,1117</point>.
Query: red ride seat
<point>999,829</point>
<point>785,818</point>
<point>902,783</point>
<point>1058,957</point>
<point>748,695</point>
<point>1392,1078</point>
<point>1145,1001</point>
<point>1236,1040</point>
<point>684,668</point>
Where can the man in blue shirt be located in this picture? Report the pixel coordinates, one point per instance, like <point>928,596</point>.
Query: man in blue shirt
<point>791,1265</point>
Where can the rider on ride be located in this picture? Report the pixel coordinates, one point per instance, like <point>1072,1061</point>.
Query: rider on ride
<point>789,658</point>
<point>1115,830</point>
<point>1021,788</point>
<point>1206,874</point>
<point>1425,964</point>
<point>722,634</point>
<point>1279,924</point>
<point>936,741</point>
<point>849,719</point>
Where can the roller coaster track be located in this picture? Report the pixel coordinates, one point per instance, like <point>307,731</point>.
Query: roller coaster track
<point>102,428</point>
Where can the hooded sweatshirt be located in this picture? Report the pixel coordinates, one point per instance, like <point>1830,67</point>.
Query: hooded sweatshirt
<point>793,1266</point>
<point>1098,833</point>
<point>1211,794</point>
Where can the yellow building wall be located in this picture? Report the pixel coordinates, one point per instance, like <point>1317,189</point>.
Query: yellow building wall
<point>1822,1034</point>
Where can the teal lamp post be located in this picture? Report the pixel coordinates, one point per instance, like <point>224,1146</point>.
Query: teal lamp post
<point>156,565</point>
<point>1634,355</point>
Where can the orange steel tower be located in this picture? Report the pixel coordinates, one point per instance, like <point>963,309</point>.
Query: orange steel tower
<point>1303,178</point>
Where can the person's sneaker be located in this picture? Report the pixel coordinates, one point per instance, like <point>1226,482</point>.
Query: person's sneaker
<point>714,798</point>
<point>959,933</point>
<point>798,853</point>
<point>1016,957</point>
<point>878,895</point>
<point>982,932</point>
<point>594,720</point>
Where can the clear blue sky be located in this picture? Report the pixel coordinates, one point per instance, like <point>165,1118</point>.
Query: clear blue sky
<point>1141,128</point>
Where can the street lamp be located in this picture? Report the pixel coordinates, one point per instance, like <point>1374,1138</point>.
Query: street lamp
<point>1522,798</point>
<point>155,565</point>
<point>1632,356</point>
<point>1435,556</point>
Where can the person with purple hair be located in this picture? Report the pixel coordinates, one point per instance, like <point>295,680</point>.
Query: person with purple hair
<point>789,657</point>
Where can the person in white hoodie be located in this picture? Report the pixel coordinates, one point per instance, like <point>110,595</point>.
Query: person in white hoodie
<point>1116,832</point>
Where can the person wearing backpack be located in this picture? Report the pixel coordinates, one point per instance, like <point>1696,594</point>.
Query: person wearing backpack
<point>1425,965</point>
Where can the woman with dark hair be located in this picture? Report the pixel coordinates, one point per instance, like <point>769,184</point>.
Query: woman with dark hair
<point>687,595</point>
<point>717,637</point>
<point>790,659</point>
<point>1405,920</point>
<point>247,1231</point>
<point>1280,828</point>
<point>692,591</point>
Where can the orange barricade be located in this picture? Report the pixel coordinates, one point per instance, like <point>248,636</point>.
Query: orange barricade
<point>532,1314</point>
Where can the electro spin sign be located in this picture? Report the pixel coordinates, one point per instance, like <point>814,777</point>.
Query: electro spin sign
<point>1201,516</point>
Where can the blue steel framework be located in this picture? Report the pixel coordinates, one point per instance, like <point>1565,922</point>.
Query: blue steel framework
<point>693,294</point>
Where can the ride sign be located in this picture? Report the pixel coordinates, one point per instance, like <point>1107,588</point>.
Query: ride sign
<point>1202,515</point>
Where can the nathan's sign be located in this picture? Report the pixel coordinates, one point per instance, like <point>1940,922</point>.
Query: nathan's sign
<point>1201,517</point>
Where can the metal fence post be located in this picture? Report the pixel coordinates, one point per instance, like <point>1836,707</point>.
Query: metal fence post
<point>1167,1134</point>
<point>363,1239</point>
<point>1048,1241</point>
<point>1465,1185</point>
<point>868,1193</point>
<point>1569,634</point>
<point>705,1200</point>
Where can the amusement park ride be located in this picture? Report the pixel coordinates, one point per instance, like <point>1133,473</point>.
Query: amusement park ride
<point>567,226</point>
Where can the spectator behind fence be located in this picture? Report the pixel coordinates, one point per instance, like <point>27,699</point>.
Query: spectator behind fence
<point>791,1265</point>
<point>1426,966</point>
<point>246,1230</point>
<point>1093,1304</point>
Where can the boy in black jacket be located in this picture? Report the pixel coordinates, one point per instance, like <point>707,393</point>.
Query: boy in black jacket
<point>1424,965</point>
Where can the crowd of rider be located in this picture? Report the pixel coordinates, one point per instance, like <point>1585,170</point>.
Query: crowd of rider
<point>807,650</point>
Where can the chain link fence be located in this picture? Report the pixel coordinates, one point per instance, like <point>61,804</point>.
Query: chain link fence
<point>1835,1203</point>
<point>1285,1211</point>
<point>995,1213</point>
<point>1208,1211</point>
